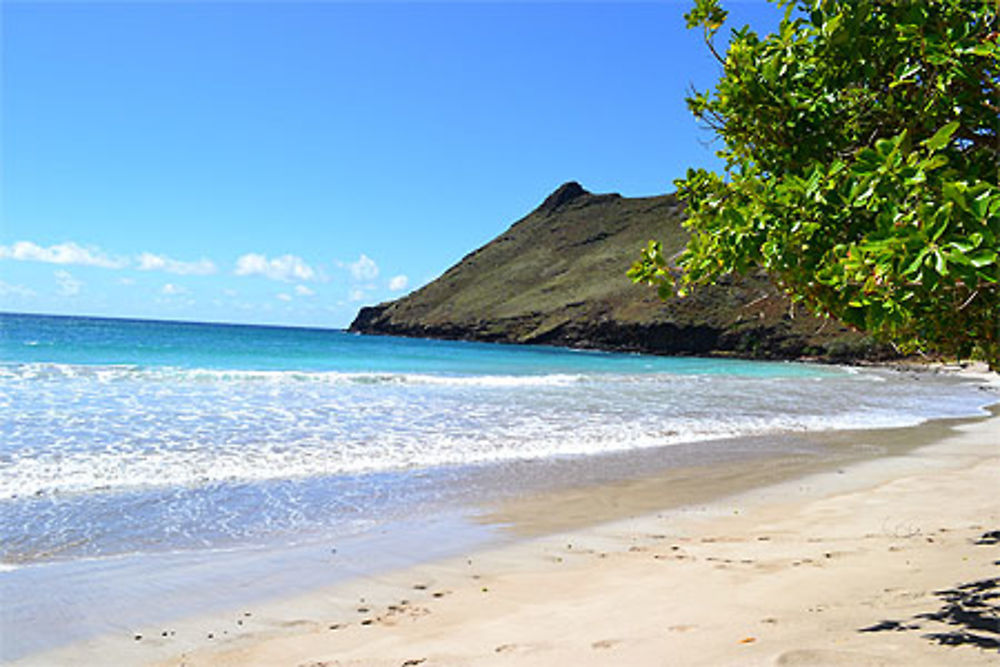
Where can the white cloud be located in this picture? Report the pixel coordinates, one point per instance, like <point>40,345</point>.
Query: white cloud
<point>61,253</point>
<point>363,269</point>
<point>68,285</point>
<point>283,297</point>
<point>397,283</point>
<point>150,262</point>
<point>284,268</point>
<point>230,292</point>
<point>356,294</point>
<point>302,290</point>
<point>126,281</point>
<point>71,253</point>
<point>6,289</point>
<point>171,289</point>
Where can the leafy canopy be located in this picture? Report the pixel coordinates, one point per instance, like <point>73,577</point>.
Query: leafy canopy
<point>861,168</point>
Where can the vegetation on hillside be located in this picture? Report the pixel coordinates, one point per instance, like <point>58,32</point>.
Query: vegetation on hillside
<point>861,168</point>
<point>555,278</point>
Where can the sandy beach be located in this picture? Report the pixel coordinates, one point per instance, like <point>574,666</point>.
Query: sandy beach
<point>888,560</point>
<point>811,572</point>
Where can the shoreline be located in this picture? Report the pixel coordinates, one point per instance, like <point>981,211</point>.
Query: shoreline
<point>616,522</point>
<point>789,574</point>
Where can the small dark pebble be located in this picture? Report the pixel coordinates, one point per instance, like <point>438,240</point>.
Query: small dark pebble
<point>367,621</point>
<point>164,633</point>
<point>211,636</point>
<point>335,626</point>
<point>420,587</point>
<point>363,610</point>
<point>246,613</point>
<point>138,637</point>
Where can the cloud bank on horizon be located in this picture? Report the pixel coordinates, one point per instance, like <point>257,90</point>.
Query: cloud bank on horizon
<point>354,281</point>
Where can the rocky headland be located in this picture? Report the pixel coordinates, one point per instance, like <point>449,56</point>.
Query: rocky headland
<point>557,277</point>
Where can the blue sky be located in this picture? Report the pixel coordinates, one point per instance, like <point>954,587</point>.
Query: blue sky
<point>290,162</point>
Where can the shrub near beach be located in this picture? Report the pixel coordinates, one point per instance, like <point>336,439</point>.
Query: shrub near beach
<point>861,168</point>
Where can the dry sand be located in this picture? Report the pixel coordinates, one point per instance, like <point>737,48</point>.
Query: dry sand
<point>850,567</point>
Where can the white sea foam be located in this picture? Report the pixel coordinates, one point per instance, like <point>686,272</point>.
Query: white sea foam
<point>130,372</point>
<point>89,452</point>
<point>175,463</point>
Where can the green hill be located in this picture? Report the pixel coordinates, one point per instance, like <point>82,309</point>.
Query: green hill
<point>557,277</point>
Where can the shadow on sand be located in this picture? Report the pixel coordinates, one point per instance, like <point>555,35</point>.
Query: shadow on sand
<point>972,610</point>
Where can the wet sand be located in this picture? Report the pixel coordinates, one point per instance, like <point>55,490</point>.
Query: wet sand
<point>883,561</point>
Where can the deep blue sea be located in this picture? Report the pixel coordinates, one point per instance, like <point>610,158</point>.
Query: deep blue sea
<point>127,436</point>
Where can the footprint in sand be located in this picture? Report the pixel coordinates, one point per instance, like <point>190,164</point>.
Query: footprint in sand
<point>681,628</point>
<point>813,657</point>
<point>516,648</point>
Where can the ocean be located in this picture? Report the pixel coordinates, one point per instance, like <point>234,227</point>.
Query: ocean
<point>123,436</point>
<point>134,439</point>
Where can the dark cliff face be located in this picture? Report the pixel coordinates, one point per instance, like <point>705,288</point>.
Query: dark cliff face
<point>557,277</point>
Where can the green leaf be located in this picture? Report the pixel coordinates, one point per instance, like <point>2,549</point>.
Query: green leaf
<point>941,137</point>
<point>940,265</point>
<point>914,266</point>
<point>981,258</point>
<point>934,162</point>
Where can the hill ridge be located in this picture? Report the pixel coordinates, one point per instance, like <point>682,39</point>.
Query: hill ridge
<point>557,277</point>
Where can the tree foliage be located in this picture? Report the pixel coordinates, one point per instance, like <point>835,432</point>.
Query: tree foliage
<point>861,168</point>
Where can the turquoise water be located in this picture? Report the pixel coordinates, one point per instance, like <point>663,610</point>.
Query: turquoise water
<point>26,339</point>
<point>124,436</point>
